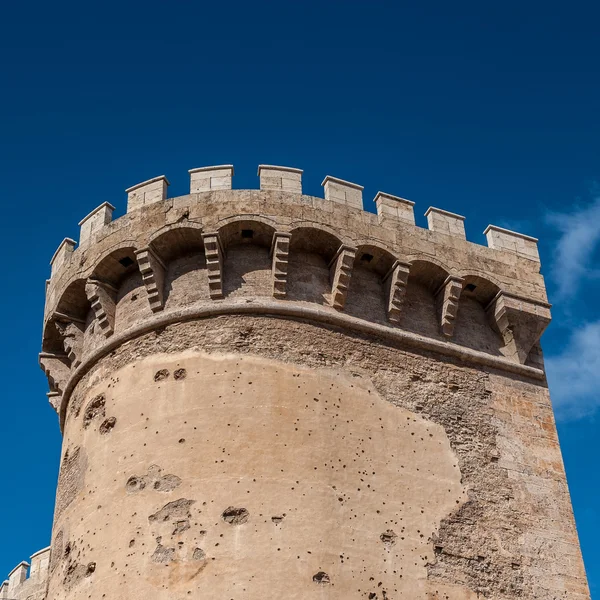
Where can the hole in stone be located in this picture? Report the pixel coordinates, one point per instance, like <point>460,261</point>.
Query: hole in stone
<point>107,425</point>
<point>321,578</point>
<point>126,261</point>
<point>470,287</point>
<point>388,537</point>
<point>180,374</point>
<point>247,234</point>
<point>235,516</point>
<point>160,375</point>
<point>366,257</point>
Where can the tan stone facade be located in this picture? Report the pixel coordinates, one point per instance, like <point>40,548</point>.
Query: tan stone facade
<point>267,394</point>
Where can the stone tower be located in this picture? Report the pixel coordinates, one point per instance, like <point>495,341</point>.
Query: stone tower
<point>268,395</point>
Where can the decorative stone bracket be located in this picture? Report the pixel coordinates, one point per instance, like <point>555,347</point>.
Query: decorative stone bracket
<point>71,331</point>
<point>447,297</point>
<point>395,283</point>
<point>521,322</point>
<point>153,277</point>
<point>57,370</point>
<point>103,299</point>
<point>280,250</point>
<point>340,272</point>
<point>213,249</point>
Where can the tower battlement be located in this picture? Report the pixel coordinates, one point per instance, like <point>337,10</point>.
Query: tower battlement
<point>28,581</point>
<point>371,262</point>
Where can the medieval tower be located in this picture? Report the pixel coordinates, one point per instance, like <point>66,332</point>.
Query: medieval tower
<point>268,395</point>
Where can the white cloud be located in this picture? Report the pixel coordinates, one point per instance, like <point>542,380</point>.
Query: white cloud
<point>574,374</point>
<point>579,236</point>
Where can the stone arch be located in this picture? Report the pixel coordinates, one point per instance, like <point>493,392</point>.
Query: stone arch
<point>421,310</point>
<point>176,240</point>
<point>116,263</point>
<point>72,307</point>
<point>299,226</point>
<point>312,248</point>
<point>180,248</point>
<point>367,294</point>
<point>473,328</point>
<point>246,242</point>
<point>117,283</point>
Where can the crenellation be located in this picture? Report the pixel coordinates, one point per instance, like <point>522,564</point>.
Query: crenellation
<point>62,255</point>
<point>280,178</point>
<point>446,222</point>
<point>511,241</point>
<point>17,576</point>
<point>148,192</point>
<point>94,221</point>
<point>205,179</point>
<point>394,209</point>
<point>28,582</point>
<point>392,228</point>
<point>343,192</point>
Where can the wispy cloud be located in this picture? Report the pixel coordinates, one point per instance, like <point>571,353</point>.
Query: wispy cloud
<point>579,236</point>
<point>574,374</point>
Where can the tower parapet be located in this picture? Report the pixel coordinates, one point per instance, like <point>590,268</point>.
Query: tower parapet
<point>355,244</point>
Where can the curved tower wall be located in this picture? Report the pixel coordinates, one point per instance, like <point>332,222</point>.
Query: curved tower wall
<point>267,394</point>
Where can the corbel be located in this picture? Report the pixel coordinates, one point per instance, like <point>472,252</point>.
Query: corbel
<point>520,322</point>
<point>340,272</point>
<point>103,299</point>
<point>213,250</point>
<point>280,250</point>
<point>395,282</point>
<point>153,276</point>
<point>447,297</point>
<point>71,331</point>
<point>57,369</point>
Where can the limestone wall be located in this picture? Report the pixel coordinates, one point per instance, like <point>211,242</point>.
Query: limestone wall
<point>252,457</point>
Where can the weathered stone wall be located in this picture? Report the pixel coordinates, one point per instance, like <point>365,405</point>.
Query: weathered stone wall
<point>267,394</point>
<point>394,474</point>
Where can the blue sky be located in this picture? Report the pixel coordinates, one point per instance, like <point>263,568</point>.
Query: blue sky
<point>489,110</point>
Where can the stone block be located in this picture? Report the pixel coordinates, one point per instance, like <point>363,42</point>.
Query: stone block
<point>147,192</point>
<point>62,255</point>
<point>40,563</point>
<point>205,179</point>
<point>511,241</point>
<point>343,192</point>
<point>280,178</point>
<point>94,221</point>
<point>394,208</point>
<point>446,222</point>
<point>17,576</point>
